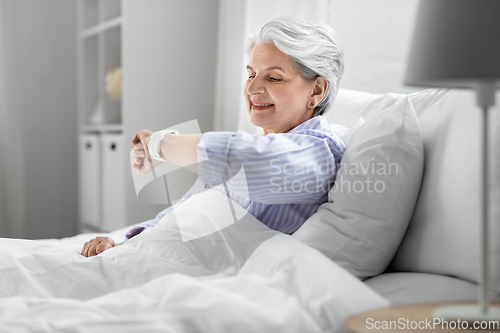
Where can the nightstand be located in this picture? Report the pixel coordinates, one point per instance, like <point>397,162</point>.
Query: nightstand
<point>408,318</point>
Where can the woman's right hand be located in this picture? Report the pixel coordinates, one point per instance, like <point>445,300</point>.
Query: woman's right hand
<point>97,245</point>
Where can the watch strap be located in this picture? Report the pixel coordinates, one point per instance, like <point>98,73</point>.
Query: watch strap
<point>155,143</point>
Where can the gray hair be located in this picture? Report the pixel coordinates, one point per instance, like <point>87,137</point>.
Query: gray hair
<point>313,47</point>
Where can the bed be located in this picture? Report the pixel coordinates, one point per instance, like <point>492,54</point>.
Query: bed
<point>409,238</point>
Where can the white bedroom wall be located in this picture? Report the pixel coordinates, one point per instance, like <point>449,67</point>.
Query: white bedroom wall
<point>375,36</point>
<point>40,177</point>
<point>3,122</point>
<point>12,198</point>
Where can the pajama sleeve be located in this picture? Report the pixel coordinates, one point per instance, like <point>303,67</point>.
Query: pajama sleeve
<point>278,168</point>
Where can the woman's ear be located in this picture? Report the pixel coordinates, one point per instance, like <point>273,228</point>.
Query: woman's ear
<point>319,90</point>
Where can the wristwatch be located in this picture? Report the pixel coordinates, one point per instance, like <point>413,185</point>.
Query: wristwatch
<point>155,143</point>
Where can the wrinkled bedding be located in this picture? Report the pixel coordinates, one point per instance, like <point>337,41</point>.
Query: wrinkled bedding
<point>235,277</point>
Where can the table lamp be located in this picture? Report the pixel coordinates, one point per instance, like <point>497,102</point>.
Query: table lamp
<point>456,44</point>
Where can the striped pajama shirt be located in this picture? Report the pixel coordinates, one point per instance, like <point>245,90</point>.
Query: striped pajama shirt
<point>287,175</point>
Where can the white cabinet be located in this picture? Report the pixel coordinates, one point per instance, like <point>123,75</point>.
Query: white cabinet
<point>113,187</point>
<point>101,183</point>
<point>90,181</point>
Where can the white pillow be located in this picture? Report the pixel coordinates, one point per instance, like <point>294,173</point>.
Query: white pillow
<point>345,133</point>
<point>375,192</point>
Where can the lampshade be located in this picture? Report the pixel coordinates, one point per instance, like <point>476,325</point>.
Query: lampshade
<point>456,43</point>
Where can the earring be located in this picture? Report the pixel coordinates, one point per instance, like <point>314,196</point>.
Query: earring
<point>312,104</point>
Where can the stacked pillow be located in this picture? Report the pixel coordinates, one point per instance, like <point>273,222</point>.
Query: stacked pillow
<point>377,185</point>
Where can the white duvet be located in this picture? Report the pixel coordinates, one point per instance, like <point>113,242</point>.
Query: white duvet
<point>243,278</point>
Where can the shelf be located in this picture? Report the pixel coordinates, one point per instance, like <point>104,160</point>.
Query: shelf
<point>102,128</point>
<point>95,30</point>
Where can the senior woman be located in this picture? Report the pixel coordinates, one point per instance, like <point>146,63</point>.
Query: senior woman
<point>294,69</point>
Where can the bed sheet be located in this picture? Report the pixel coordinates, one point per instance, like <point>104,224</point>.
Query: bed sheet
<point>242,278</point>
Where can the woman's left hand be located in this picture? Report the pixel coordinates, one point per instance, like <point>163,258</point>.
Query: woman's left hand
<point>143,162</point>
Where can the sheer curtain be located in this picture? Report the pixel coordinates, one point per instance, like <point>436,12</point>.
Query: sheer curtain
<point>374,34</point>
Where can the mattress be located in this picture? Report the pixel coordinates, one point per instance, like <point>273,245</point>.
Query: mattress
<point>411,288</point>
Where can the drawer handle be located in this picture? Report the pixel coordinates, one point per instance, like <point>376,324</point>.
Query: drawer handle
<point>88,145</point>
<point>113,146</point>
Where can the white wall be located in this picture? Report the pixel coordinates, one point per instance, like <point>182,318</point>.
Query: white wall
<point>40,172</point>
<point>11,163</point>
<point>3,127</point>
<point>375,36</point>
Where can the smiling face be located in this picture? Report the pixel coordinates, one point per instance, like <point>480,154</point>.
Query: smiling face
<point>278,98</point>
